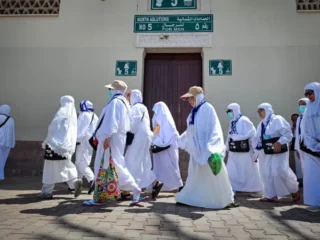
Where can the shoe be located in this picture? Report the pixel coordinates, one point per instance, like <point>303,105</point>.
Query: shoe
<point>313,209</point>
<point>232,205</point>
<point>45,196</point>
<point>91,189</point>
<point>78,188</point>
<point>156,189</point>
<point>70,191</point>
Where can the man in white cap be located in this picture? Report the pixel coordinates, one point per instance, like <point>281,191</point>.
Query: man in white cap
<point>112,137</point>
<point>207,184</point>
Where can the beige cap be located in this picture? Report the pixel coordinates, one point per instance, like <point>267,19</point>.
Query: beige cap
<point>117,85</point>
<point>193,91</point>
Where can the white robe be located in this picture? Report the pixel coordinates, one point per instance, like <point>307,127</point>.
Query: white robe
<point>166,163</point>
<point>86,127</point>
<point>310,134</point>
<point>115,125</point>
<point>7,137</point>
<point>201,140</point>
<point>243,172</point>
<point>61,138</point>
<point>277,177</point>
<point>298,162</point>
<point>137,156</point>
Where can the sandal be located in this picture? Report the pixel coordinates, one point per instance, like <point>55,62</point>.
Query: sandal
<point>156,189</point>
<point>138,204</point>
<point>296,197</point>
<point>91,203</point>
<point>232,205</point>
<point>274,200</point>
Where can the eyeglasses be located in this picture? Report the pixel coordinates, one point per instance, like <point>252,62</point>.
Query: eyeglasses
<point>308,93</point>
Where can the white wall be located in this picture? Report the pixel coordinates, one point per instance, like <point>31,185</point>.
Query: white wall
<point>274,50</point>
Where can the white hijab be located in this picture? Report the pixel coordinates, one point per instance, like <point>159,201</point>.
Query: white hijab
<point>62,132</point>
<point>268,110</point>
<point>168,133</point>
<point>235,107</point>
<point>311,119</point>
<point>7,131</point>
<point>136,97</point>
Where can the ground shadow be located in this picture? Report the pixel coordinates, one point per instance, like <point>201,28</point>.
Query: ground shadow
<point>299,214</point>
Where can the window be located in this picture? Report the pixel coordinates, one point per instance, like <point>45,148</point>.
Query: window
<point>29,7</point>
<point>308,5</point>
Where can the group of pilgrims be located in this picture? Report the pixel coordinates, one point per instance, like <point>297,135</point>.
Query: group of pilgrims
<point>132,158</point>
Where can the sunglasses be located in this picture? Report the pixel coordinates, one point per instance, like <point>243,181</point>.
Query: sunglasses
<point>228,111</point>
<point>308,93</point>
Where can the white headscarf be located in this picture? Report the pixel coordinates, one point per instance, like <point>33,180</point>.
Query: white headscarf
<point>7,132</point>
<point>168,132</point>
<point>62,132</point>
<point>235,107</point>
<point>311,120</point>
<point>268,110</point>
<point>136,97</point>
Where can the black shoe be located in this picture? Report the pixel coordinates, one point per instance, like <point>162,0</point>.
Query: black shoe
<point>156,189</point>
<point>232,205</point>
<point>91,189</point>
<point>70,191</point>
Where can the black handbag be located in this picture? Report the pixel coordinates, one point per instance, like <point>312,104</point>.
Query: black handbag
<point>304,148</point>
<point>93,141</point>
<point>130,135</point>
<point>157,149</point>
<point>239,146</point>
<point>267,145</point>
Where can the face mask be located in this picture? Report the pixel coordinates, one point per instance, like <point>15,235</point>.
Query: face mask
<point>230,115</point>
<point>302,108</point>
<point>110,95</point>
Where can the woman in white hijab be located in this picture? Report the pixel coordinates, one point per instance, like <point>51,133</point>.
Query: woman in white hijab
<point>273,135</point>
<point>165,148</point>
<point>7,136</point>
<point>137,156</point>
<point>299,155</point>
<point>311,147</point>
<point>87,123</point>
<point>59,145</point>
<point>243,170</point>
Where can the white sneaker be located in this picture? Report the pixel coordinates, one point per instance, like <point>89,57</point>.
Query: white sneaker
<point>313,209</point>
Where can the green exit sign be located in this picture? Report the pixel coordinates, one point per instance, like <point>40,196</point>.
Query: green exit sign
<point>173,23</point>
<point>126,68</point>
<point>173,4</point>
<point>220,67</point>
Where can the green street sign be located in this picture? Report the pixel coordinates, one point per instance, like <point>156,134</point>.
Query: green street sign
<point>220,67</point>
<point>173,23</point>
<point>126,68</point>
<point>173,4</point>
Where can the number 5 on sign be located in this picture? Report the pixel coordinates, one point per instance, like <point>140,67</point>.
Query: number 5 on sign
<point>149,26</point>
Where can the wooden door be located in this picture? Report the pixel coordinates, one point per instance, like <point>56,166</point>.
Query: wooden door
<point>167,77</point>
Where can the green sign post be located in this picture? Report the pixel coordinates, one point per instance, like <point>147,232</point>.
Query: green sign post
<point>126,68</point>
<point>220,67</point>
<point>173,4</point>
<point>173,23</point>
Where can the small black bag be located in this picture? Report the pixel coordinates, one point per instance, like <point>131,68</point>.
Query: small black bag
<point>130,135</point>
<point>157,149</point>
<point>239,146</point>
<point>304,148</point>
<point>267,145</point>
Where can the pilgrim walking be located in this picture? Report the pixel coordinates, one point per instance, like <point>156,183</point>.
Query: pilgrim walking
<point>207,185</point>
<point>87,122</point>
<point>273,136</point>
<point>243,170</point>
<point>310,146</point>
<point>59,146</point>
<point>7,136</point>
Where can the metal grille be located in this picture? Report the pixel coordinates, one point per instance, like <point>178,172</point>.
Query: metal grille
<point>29,7</point>
<point>308,5</point>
